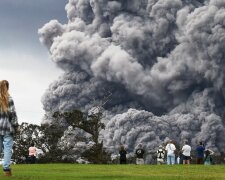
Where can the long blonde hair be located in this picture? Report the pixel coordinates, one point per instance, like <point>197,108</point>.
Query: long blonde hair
<point>4,96</point>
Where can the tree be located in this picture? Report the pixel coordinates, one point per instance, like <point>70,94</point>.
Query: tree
<point>52,134</point>
<point>28,133</point>
<point>91,124</point>
<point>44,137</point>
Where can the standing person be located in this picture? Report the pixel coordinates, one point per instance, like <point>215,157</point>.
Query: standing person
<point>180,157</point>
<point>8,125</point>
<point>123,155</point>
<point>186,151</point>
<point>200,153</point>
<point>208,157</point>
<point>170,148</point>
<point>140,154</point>
<point>160,155</point>
<point>32,153</point>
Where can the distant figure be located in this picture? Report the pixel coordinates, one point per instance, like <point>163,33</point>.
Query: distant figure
<point>208,157</point>
<point>180,157</point>
<point>123,155</point>
<point>32,154</point>
<point>160,155</point>
<point>186,151</point>
<point>8,125</point>
<point>200,153</point>
<point>140,154</point>
<point>170,148</point>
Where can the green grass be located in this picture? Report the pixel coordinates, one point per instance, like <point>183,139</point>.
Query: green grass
<point>75,171</point>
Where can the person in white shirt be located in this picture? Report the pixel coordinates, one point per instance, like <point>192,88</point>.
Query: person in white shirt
<point>170,148</point>
<point>186,151</point>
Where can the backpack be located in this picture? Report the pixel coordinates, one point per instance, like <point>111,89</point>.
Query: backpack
<point>160,154</point>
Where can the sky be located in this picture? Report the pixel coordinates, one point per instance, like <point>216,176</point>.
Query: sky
<point>24,61</point>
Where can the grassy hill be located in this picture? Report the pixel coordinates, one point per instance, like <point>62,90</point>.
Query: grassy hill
<point>75,171</point>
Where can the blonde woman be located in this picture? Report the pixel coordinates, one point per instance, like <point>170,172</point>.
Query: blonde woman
<point>8,125</point>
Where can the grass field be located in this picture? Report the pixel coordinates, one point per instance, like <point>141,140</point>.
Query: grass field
<point>75,171</point>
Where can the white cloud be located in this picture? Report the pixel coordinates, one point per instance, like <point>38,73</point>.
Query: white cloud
<point>29,76</point>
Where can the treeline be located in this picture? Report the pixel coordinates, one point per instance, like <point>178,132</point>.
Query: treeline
<point>53,139</point>
<point>73,138</point>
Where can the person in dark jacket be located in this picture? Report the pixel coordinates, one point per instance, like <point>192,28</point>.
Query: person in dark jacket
<point>200,153</point>
<point>140,154</point>
<point>8,125</point>
<point>123,155</point>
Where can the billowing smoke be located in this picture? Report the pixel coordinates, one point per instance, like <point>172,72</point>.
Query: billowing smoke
<point>74,142</point>
<point>162,60</point>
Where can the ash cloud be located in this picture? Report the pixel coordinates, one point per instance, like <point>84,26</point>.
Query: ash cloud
<point>162,60</point>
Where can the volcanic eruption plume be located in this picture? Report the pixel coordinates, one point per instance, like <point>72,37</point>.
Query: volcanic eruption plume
<point>162,60</point>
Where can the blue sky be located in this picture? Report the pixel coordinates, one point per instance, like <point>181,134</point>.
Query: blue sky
<point>24,61</point>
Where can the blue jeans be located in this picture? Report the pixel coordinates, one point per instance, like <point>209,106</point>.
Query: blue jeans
<point>6,143</point>
<point>171,159</point>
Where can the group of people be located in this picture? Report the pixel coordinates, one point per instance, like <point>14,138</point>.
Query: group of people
<point>170,154</point>
<point>139,155</point>
<point>183,156</point>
